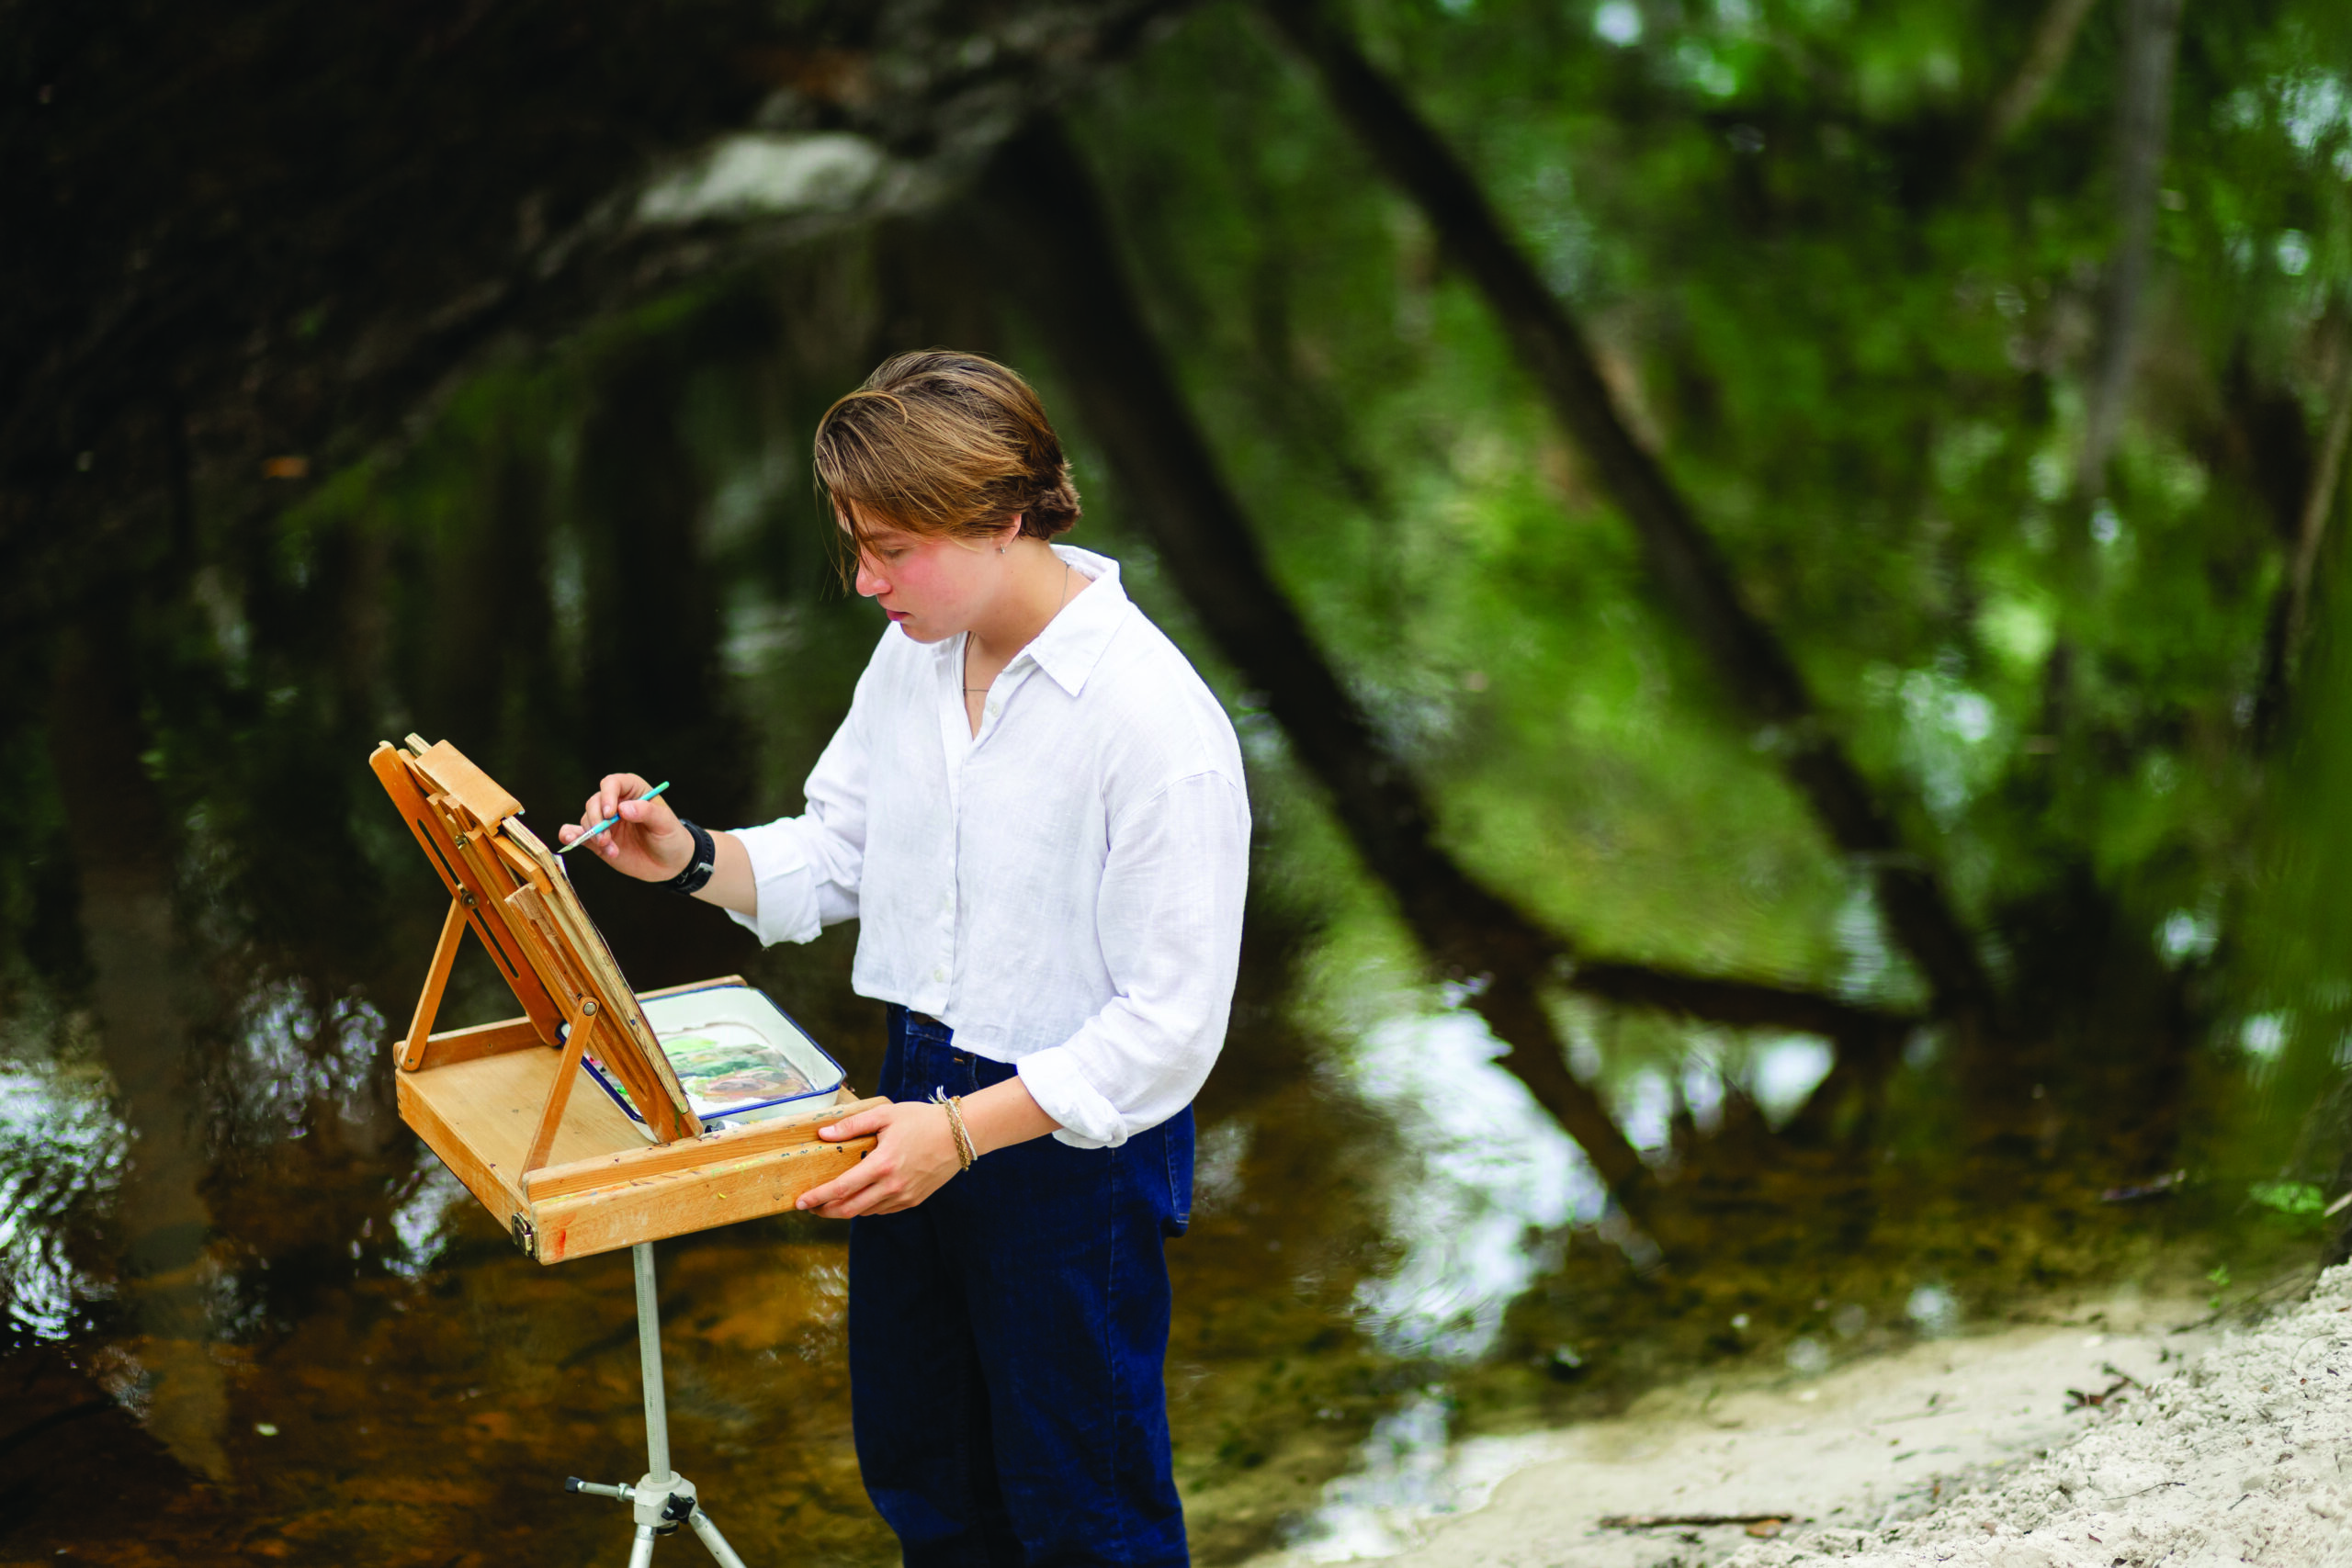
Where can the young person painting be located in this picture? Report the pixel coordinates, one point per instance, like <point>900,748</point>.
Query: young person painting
<point>1035,812</point>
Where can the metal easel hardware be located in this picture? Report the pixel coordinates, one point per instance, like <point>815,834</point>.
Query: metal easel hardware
<point>662,1499</point>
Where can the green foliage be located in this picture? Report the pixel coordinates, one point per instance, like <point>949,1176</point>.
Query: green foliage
<point>1864,345</point>
<point>2299,1203</point>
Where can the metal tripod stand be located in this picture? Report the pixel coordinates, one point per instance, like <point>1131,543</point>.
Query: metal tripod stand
<point>662,1499</point>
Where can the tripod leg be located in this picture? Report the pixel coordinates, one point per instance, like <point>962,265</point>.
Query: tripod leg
<point>712,1539</point>
<point>640,1554</point>
<point>649,1354</point>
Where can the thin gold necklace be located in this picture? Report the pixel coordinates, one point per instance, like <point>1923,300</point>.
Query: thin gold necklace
<point>1059,606</point>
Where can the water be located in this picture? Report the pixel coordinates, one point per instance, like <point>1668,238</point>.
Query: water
<point>1407,1475</point>
<point>1401,1274</point>
<point>247,1306</point>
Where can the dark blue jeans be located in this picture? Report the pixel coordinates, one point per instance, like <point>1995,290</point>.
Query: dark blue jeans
<point>1007,1341</point>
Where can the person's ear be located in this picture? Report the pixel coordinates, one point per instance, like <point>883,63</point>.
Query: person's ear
<point>1012,532</point>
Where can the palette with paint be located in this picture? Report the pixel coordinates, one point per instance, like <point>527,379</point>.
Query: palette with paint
<point>737,1054</point>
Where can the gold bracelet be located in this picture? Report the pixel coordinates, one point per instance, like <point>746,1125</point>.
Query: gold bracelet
<point>953,1105</point>
<point>964,1148</point>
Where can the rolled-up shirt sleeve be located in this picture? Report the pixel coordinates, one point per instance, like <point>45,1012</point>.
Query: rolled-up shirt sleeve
<point>1169,919</point>
<point>805,868</point>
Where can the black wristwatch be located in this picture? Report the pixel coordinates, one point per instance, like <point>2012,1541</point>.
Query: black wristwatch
<point>702,866</point>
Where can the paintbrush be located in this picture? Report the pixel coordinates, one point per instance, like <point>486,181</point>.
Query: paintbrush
<point>608,821</point>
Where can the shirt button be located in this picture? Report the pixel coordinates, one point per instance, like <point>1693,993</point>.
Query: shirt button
<point>940,974</point>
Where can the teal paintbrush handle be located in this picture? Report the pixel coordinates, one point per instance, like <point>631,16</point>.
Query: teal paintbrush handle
<point>608,821</point>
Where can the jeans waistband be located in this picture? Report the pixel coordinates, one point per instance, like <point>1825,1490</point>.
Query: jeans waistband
<point>925,1056</point>
<point>914,1025</point>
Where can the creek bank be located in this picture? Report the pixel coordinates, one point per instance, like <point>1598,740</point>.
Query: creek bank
<point>2216,1449</point>
<point>2236,1457</point>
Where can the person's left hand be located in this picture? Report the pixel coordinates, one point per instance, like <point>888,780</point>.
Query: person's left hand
<point>913,1159</point>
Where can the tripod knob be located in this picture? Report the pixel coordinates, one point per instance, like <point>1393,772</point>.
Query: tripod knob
<point>679,1508</point>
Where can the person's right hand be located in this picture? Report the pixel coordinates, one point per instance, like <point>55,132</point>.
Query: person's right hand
<point>647,842</point>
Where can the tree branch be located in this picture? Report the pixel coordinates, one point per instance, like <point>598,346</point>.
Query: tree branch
<point>1697,582</point>
<point>2300,488</point>
<point>2045,57</point>
<point>1741,1004</point>
<point>1046,229</point>
<point>2319,501</point>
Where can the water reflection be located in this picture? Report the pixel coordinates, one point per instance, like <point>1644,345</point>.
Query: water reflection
<point>60,1159</point>
<point>1933,1310</point>
<point>1487,1167</point>
<point>295,1061</point>
<point>1787,1070</point>
<point>1775,1072</point>
<point>1407,1477</point>
<point>422,1220</point>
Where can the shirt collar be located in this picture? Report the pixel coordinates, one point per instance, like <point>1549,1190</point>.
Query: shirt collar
<point>1074,640</point>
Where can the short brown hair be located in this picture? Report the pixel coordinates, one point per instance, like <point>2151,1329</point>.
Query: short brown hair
<point>943,444</point>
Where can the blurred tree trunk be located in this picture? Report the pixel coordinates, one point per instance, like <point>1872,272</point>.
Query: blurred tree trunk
<point>121,843</point>
<point>2261,437</point>
<point>2143,115</point>
<point>654,691</point>
<point>1044,221</point>
<point>494,634</point>
<point>1697,583</point>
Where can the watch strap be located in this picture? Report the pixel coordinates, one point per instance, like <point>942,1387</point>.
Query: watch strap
<point>701,866</point>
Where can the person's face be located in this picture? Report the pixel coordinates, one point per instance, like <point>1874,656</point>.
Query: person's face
<point>931,587</point>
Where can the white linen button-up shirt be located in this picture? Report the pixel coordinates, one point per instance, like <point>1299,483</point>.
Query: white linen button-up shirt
<point>1062,889</point>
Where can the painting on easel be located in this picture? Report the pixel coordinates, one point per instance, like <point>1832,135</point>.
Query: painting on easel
<point>662,1151</point>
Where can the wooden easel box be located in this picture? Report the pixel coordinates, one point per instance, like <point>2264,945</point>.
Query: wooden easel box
<point>567,1174</point>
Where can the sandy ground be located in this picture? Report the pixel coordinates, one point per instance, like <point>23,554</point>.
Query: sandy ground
<point>2221,1449</point>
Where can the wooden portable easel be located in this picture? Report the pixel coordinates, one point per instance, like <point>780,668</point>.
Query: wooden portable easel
<point>570,1175</point>
<point>567,1174</point>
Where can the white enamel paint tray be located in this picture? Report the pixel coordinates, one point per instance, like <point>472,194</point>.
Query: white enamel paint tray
<point>739,1056</point>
